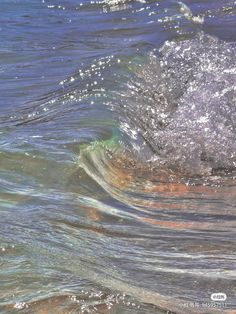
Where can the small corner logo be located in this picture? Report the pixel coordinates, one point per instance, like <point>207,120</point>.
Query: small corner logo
<point>219,296</point>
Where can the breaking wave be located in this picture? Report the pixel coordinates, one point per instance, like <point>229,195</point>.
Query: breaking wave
<point>182,102</point>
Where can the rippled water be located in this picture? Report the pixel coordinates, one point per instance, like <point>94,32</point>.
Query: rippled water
<point>118,157</point>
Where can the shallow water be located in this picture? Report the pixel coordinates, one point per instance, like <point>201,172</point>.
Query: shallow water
<point>107,206</point>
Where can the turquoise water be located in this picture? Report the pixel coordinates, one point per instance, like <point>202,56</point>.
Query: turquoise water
<point>116,194</point>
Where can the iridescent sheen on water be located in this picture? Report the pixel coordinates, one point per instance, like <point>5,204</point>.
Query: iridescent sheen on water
<point>117,156</point>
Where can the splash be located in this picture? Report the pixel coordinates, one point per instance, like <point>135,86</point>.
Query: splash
<point>182,103</point>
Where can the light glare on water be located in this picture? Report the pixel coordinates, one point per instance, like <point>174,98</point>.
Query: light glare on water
<point>117,159</point>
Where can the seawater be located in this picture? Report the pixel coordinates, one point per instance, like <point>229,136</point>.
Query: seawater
<point>117,156</point>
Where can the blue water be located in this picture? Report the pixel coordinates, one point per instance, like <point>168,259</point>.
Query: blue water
<point>86,224</point>
<point>44,42</point>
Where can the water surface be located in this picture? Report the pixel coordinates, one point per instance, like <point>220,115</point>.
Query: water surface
<point>117,156</point>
